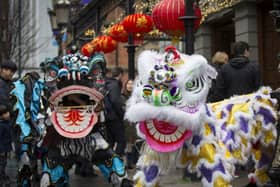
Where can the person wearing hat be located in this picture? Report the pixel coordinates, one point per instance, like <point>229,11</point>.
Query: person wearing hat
<point>7,71</point>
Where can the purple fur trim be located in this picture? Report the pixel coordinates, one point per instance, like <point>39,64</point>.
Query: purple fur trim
<point>258,97</point>
<point>244,124</point>
<point>224,126</point>
<point>230,136</point>
<point>212,128</point>
<point>267,115</point>
<point>196,140</point>
<point>207,111</point>
<point>223,114</point>
<point>265,160</point>
<point>208,173</point>
<point>229,107</point>
<point>151,173</point>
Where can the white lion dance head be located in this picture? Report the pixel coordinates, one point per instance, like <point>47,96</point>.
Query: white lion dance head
<point>168,98</point>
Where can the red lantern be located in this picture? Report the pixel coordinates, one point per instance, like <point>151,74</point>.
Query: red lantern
<point>166,16</point>
<point>118,33</point>
<point>95,44</point>
<point>105,44</point>
<point>138,23</point>
<point>87,49</point>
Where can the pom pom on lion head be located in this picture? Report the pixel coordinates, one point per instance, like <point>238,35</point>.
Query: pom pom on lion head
<point>169,97</point>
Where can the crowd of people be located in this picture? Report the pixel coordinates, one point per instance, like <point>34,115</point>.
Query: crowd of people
<point>236,76</point>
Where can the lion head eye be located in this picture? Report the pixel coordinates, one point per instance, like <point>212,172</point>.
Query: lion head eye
<point>189,84</point>
<point>84,70</point>
<point>62,73</point>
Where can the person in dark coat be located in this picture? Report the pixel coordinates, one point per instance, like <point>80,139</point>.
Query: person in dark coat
<point>239,76</point>
<point>114,107</point>
<point>218,60</point>
<point>7,71</point>
<point>5,142</point>
<point>132,153</point>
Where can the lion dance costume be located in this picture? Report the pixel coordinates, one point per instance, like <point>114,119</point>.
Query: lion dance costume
<point>168,105</point>
<point>60,120</point>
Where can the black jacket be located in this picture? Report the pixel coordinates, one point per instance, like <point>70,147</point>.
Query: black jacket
<point>239,76</point>
<point>218,68</point>
<point>114,103</point>
<point>5,87</point>
<point>5,136</point>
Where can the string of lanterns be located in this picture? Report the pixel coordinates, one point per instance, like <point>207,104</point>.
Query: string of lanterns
<point>163,20</point>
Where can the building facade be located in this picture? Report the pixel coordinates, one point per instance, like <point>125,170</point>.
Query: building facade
<point>25,33</point>
<point>225,22</point>
<point>249,21</point>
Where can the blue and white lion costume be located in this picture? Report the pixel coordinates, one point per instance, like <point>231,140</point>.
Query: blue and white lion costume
<point>60,120</point>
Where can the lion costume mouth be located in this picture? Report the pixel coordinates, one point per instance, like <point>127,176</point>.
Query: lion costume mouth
<point>74,113</point>
<point>163,136</point>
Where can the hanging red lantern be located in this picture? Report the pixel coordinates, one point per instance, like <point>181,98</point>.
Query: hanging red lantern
<point>166,16</point>
<point>137,23</point>
<point>118,33</point>
<point>87,49</point>
<point>106,44</point>
<point>95,44</point>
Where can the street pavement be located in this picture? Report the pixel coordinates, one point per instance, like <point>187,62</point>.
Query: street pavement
<point>172,179</point>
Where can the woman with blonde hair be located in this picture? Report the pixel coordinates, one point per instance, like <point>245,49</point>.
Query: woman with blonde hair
<point>218,60</point>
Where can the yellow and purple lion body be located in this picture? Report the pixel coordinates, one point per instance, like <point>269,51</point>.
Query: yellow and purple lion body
<point>168,104</point>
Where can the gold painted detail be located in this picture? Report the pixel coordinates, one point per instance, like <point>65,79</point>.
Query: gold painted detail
<point>209,7</point>
<point>221,182</point>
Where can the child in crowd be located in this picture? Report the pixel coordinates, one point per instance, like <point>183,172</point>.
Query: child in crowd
<point>5,143</point>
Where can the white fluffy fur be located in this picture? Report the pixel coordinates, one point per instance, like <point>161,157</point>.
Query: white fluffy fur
<point>194,66</point>
<point>146,62</point>
<point>145,111</point>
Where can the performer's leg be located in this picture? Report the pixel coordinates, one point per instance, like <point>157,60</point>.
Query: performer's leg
<point>109,163</point>
<point>262,159</point>
<point>55,169</point>
<point>211,160</point>
<point>24,169</point>
<point>215,170</point>
<point>149,168</point>
<point>54,175</point>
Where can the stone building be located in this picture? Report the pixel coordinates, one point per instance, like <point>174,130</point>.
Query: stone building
<point>225,21</point>
<point>244,20</point>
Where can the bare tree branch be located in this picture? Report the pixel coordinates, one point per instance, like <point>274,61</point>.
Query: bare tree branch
<point>28,32</point>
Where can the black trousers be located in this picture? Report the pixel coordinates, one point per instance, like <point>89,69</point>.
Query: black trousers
<point>116,134</point>
<point>3,164</point>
